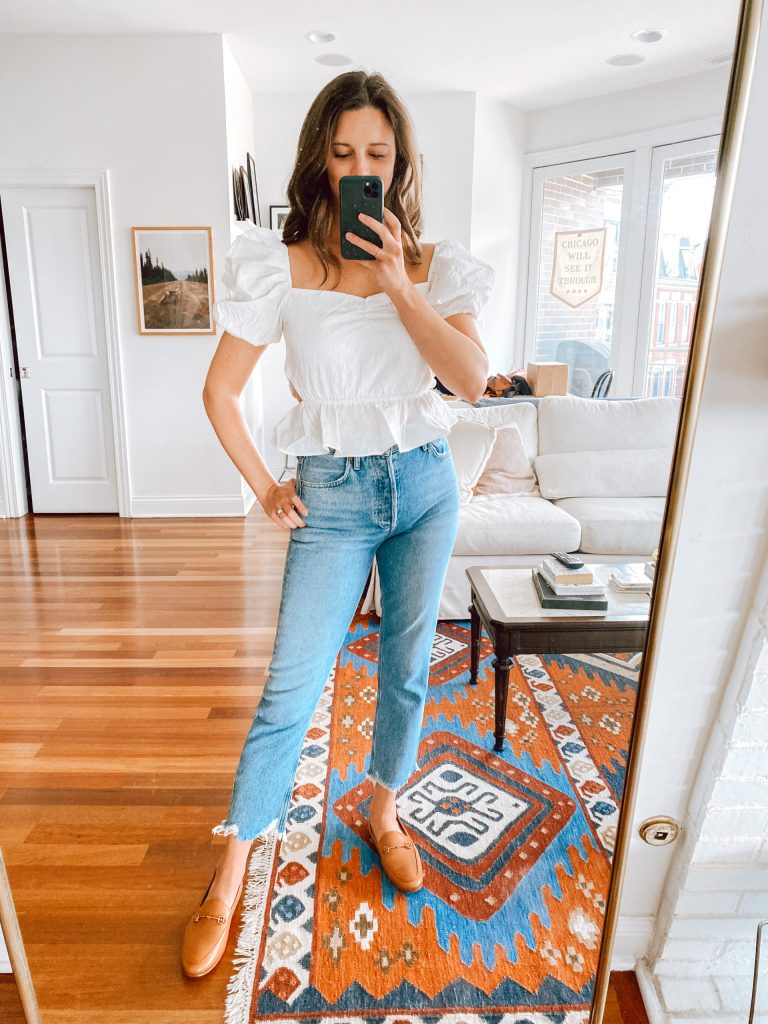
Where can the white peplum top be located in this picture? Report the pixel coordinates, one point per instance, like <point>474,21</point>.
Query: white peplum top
<point>365,386</point>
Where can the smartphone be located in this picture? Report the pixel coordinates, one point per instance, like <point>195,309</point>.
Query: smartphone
<point>359,193</point>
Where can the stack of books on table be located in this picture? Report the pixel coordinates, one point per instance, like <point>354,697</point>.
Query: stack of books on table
<point>630,579</point>
<point>577,589</point>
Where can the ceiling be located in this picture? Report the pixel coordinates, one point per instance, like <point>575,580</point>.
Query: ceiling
<point>532,55</point>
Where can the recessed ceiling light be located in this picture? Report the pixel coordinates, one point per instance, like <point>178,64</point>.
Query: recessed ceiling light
<point>334,59</point>
<point>648,35</point>
<point>318,35</point>
<point>625,60</point>
<point>721,58</point>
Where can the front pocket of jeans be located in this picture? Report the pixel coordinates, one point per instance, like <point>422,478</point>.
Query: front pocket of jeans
<point>323,470</point>
<point>440,447</point>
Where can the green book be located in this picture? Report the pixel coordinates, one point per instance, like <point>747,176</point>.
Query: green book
<point>549,599</point>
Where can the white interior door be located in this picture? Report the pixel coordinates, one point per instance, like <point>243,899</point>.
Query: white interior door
<point>54,268</point>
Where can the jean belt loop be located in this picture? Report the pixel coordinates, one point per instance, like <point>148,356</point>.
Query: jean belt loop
<point>356,462</point>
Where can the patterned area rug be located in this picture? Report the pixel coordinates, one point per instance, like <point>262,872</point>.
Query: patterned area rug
<point>516,849</point>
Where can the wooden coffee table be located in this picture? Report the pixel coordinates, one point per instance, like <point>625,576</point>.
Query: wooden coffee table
<point>504,601</point>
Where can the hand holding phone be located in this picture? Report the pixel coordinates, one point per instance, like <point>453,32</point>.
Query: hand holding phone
<point>359,193</point>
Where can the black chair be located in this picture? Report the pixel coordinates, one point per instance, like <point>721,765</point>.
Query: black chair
<point>603,384</point>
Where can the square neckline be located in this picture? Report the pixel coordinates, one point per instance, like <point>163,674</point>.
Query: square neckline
<point>351,295</point>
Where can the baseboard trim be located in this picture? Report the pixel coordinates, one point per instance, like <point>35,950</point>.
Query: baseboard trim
<point>630,944</point>
<point>649,993</point>
<point>189,507</point>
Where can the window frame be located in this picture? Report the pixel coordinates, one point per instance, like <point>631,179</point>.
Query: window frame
<point>637,151</point>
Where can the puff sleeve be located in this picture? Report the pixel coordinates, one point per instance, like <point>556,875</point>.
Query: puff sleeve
<point>258,280</point>
<point>460,282</point>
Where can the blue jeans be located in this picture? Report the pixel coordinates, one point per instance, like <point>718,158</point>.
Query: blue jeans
<point>402,507</point>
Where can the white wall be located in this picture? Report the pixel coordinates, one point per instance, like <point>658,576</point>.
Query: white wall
<point>239,127</point>
<point>497,186</point>
<point>723,542</point>
<point>629,110</point>
<point>150,108</point>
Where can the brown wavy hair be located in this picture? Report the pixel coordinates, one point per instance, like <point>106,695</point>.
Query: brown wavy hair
<point>309,193</point>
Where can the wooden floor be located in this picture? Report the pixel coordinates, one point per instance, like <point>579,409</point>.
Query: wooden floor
<point>132,654</point>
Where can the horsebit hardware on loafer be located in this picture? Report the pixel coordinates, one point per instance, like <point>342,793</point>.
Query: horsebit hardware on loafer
<point>220,918</point>
<point>397,846</point>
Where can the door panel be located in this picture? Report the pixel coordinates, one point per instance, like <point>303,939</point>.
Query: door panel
<point>55,275</point>
<point>575,304</point>
<point>682,187</point>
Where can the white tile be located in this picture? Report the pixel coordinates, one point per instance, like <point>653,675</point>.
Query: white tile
<point>689,994</point>
<point>754,903</point>
<point>687,950</point>
<point>740,793</point>
<point>727,929</point>
<point>735,823</point>
<point>751,729</point>
<point>745,763</point>
<point>735,992</point>
<point>708,903</point>
<point>727,851</point>
<point>737,878</point>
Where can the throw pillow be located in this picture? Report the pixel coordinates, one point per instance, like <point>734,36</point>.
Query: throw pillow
<point>471,442</point>
<point>508,469</point>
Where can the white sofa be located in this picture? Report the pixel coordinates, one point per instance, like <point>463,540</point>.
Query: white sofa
<point>602,468</point>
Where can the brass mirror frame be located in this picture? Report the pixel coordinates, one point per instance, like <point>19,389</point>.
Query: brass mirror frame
<point>745,52</point>
<point>734,119</point>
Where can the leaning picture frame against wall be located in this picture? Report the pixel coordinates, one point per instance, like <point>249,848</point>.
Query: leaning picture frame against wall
<point>173,270</point>
<point>277,215</point>
<point>254,190</point>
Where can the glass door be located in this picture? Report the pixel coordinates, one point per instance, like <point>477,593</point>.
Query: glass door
<point>680,204</point>
<point>577,268</point>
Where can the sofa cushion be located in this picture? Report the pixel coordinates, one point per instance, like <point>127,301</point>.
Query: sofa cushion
<point>524,414</point>
<point>471,442</point>
<point>616,526</point>
<point>568,423</point>
<point>508,469</point>
<point>512,524</point>
<point>641,473</point>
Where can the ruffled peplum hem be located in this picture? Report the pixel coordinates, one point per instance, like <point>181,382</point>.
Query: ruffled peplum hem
<point>363,426</point>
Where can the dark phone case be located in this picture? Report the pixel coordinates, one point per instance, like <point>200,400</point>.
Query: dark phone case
<point>352,200</point>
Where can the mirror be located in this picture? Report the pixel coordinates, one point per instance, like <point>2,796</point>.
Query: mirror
<point>586,180</point>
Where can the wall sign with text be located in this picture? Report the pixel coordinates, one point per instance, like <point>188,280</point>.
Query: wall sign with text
<point>577,265</point>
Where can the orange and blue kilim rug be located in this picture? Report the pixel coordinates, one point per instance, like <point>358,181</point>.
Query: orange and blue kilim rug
<point>516,848</point>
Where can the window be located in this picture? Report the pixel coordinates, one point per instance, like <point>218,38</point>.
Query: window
<point>607,290</point>
<point>684,186</point>
<point>574,311</point>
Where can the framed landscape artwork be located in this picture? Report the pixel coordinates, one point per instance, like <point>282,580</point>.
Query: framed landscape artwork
<point>174,280</point>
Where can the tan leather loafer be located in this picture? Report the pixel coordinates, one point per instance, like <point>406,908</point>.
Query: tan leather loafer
<point>399,857</point>
<point>205,937</point>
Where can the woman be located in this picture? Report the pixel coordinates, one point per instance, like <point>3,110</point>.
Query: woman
<point>364,341</point>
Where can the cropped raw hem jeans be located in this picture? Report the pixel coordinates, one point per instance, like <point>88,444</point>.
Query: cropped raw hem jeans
<point>402,507</point>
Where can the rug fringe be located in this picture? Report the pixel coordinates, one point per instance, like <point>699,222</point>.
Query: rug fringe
<point>241,983</point>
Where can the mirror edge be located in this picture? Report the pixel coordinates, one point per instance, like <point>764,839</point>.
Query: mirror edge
<point>16,952</point>
<point>734,119</point>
